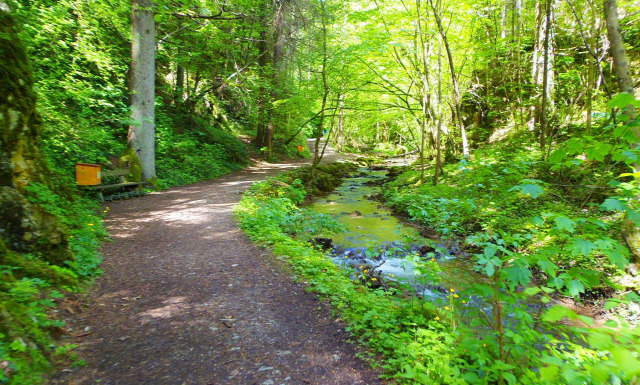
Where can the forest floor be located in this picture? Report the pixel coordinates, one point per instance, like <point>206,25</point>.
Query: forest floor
<point>185,298</point>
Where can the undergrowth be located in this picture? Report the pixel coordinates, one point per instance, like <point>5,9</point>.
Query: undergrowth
<point>529,240</point>
<point>30,287</point>
<point>415,345</point>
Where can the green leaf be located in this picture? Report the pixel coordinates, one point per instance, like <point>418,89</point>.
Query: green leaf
<point>490,250</point>
<point>632,297</point>
<point>564,223</point>
<point>18,345</point>
<point>549,373</point>
<point>489,269</point>
<point>575,287</point>
<point>633,215</point>
<point>612,303</point>
<point>611,323</point>
<point>579,246</point>
<point>532,290</point>
<point>617,258</point>
<point>600,373</point>
<point>519,274</point>
<point>626,360</point>
<point>613,204</point>
<point>537,221</point>
<point>533,190</point>
<point>557,156</point>
<point>511,379</point>
<point>598,151</point>
<point>557,313</point>
<point>621,100</point>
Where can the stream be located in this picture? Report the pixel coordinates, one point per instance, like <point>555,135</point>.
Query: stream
<point>375,237</point>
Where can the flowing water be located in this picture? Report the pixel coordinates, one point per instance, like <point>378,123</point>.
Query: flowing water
<point>374,235</point>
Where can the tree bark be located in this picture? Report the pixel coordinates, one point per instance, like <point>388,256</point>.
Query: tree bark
<point>630,229</point>
<point>618,53</point>
<point>143,75</point>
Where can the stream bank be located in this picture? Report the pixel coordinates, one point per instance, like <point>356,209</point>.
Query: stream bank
<point>422,340</point>
<point>388,247</point>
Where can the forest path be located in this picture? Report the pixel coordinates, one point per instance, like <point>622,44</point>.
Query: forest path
<point>185,298</point>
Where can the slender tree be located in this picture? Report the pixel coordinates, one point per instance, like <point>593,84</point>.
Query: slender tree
<point>454,80</point>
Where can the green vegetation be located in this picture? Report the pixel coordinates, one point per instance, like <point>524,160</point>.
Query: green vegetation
<point>532,249</point>
<point>404,331</point>
<point>30,287</point>
<point>537,239</point>
<point>522,114</point>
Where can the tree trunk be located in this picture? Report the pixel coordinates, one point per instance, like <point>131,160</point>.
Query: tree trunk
<point>454,81</point>
<point>340,136</point>
<point>630,229</point>
<point>178,95</point>
<point>25,226</point>
<point>263,60</point>
<point>143,75</point>
<point>317,155</point>
<point>547,79</point>
<point>436,173</point>
<point>620,63</point>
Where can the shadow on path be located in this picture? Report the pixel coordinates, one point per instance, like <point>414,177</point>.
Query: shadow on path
<point>185,298</point>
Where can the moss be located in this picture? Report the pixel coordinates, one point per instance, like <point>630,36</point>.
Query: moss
<point>3,252</point>
<point>631,234</point>
<point>135,168</point>
<point>30,266</point>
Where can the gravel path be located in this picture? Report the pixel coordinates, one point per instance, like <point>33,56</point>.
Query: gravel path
<point>185,298</point>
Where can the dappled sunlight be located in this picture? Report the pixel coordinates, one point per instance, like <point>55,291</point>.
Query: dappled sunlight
<point>187,216</point>
<point>173,306</point>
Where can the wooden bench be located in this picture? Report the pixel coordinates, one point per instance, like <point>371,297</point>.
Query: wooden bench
<point>121,173</point>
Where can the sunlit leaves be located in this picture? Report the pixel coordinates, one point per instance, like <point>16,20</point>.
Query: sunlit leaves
<point>575,287</point>
<point>531,188</point>
<point>580,246</point>
<point>564,223</point>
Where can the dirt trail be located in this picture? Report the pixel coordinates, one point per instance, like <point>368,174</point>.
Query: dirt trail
<point>185,298</point>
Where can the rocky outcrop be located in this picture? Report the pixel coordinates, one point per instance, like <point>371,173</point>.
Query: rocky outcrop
<point>25,226</point>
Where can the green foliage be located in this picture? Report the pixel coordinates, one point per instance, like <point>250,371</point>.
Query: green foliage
<point>29,287</point>
<point>201,152</point>
<point>417,349</point>
<point>532,248</point>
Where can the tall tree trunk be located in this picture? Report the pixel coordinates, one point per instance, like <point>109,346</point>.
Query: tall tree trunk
<point>143,75</point>
<point>25,226</point>
<point>618,53</point>
<point>630,229</point>
<point>454,81</point>
<point>340,136</point>
<point>317,155</point>
<point>263,63</point>
<point>542,71</point>
<point>279,69</point>
<point>547,79</point>
<point>436,173</point>
<point>178,95</point>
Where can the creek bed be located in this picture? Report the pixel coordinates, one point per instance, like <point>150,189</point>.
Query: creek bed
<point>374,235</point>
